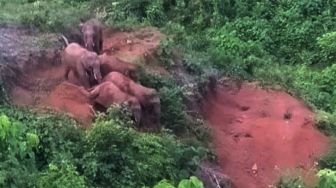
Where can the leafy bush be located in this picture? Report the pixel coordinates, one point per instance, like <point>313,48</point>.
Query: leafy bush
<point>326,121</point>
<point>173,116</point>
<point>17,158</point>
<point>173,110</point>
<point>120,156</point>
<point>165,52</point>
<point>327,178</point>
<point>64,176</point>
<point>328,46</point>
<point>328,161</point>
<point>192,182</point>
<point>290,182</point>
<point>58,136</point>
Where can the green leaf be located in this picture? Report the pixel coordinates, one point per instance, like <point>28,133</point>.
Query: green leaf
<point>32,140</point>
<point>164,184</point>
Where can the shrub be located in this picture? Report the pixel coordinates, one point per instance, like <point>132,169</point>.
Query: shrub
<point>17,159</point>
<point>173,110</point>
<point>119,156</point>
<point>57,134</point>
<point>64,176</point>
<point>327,45</point>
<point>290,182</point>
<point>328,161</point>
<point>173,116</point>
<point>192,182</point>
<point>165,52</point>
<point>326,122</point>
<point>327,178</point>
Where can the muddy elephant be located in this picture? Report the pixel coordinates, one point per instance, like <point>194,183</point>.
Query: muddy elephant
<point>84,64</point>
<point>107,93</point>
<point>114,64</point>
<point>149,98</point>
<point>92,34</point>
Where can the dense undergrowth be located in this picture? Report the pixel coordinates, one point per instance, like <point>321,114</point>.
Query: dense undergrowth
<point>287,43</point>
<point>47,150</point>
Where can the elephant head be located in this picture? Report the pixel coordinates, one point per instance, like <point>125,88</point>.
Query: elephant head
<point>88,39</point>
<point>92,35</point>
<point>91,64</point>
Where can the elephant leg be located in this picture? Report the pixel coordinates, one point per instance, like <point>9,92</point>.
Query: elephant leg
<point>136,111</point>
<point>83,78</point>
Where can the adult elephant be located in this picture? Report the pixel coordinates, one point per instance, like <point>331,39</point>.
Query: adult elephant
<point>84,64</point>
<point>107,93</point>
<point>92,34</point>
<point>149,98</point>
<point>114,64</point>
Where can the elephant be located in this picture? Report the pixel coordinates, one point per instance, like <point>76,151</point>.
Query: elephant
<point>84,64</point>
<point>114,64</point>
<point>107,93</point>
<point>92,34</point>
<point>149,98</point>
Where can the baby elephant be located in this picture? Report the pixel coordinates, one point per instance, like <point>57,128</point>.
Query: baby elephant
<point>107,94</point>
<point>92,33</point>
<point>149,98</point>
<point>114,64</point>
<point>84,64</point>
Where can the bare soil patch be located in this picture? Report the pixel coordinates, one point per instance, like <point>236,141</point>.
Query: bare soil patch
<point>260,134</point>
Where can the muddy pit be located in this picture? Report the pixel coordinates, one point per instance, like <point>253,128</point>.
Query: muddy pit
<point>259,135</point>
<point>41,83</point>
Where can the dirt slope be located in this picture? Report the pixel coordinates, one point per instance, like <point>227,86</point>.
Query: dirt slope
<point>42,85</point>
<point>259,134</point>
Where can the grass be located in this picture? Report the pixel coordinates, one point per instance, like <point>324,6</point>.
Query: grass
<point>45,15</point>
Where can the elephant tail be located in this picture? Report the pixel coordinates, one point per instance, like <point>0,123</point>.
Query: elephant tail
<point>65,40</point>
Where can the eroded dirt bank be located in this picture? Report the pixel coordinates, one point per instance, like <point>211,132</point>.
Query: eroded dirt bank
<point>259,134</point>
<point>42,83</point>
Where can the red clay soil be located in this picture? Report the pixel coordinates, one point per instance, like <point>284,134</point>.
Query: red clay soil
<point>71,99</point>
<point>260,134</point>
<point>135,47</point>
<point>44,86</point>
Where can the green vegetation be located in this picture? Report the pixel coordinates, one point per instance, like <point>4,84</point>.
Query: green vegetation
<point>327,178</point>
<point>48,148</point>
<point>288,43</point>
<point>290,182</point>
<point>193,182</point>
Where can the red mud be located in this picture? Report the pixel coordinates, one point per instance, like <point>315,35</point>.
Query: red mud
<point>44,86</point>
<point>73,100</point>
<point>268,128</point>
